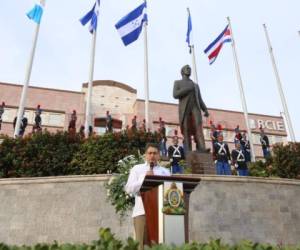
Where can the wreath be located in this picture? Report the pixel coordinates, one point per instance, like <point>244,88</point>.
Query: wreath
<point>116,195</point>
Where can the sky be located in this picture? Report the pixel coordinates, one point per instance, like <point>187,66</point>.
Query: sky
<point>63,50</point>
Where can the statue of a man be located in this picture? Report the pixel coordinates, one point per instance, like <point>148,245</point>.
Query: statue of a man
<point>190,106</point>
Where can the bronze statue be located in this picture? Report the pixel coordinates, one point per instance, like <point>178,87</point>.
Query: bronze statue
<point>190,106</point>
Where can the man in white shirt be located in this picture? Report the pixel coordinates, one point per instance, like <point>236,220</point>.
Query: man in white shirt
<point>134,183</point>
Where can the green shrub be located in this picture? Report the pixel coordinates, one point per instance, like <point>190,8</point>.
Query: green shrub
<point>41,154</point>
<point>101,154</point>
<point>284,162</point>
<point>52,154</point>
<point>107,241</point>
<point>260,168</point>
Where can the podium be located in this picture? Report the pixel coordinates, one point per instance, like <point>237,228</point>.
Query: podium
<point>166,203</point>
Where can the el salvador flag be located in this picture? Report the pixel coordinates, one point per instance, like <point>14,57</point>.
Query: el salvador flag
<point>35,14</point>
<point>92,17</point>
<point>130,26</point>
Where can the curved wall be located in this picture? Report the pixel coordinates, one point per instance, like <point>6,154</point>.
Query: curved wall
<point>72,209</point>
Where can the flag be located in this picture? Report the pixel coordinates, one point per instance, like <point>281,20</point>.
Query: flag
<point>130,26</point>
<point>189,29</point>
<point>35,14</point>
<point>214,48</point>
<point>92,17</point>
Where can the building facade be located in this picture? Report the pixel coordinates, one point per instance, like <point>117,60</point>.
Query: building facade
<point>122,103</point>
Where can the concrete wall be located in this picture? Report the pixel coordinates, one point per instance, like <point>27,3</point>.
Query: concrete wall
<point>72,209</point>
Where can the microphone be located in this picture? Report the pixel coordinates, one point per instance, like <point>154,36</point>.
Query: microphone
<point>151,166</point>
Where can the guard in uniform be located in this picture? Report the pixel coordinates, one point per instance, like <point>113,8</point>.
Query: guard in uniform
<point>176,154</point>
<point>264,140</point>
<point>24,123</point>
<point>38,120</point>
<point>239,160</point>
<point>109,123</point>
<point>222,156</point>
<point>245,145</point>
<point>238,135</point>
<point>163,137</point>
<point>134,124</point>
<point>213,133</point>
<point>72,123</point>
<point>1,113</point>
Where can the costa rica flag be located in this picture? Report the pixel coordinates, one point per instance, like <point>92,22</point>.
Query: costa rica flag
<point>213,50</point>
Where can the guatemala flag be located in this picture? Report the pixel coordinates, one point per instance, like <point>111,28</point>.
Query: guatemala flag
<point>35,14</point>
<point>188,33</point>
<point>214,48</point>
<point>130,26</point>
<point>92,17</point>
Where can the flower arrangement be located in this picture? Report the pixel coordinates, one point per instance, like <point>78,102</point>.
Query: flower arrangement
<point>122,201</point>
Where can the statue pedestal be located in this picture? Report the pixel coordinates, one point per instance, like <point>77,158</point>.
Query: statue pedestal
<point>201,163</point>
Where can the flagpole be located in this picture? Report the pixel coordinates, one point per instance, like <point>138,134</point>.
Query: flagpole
<point>27,79</point>
<point>241,88</point>
<point>279,85</point>
<point>194,64</point>
<point>192,47</point>
<point>146,77</point>
<point>90,86</point>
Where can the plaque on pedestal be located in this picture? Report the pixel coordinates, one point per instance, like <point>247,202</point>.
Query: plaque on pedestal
<point>201,163</point>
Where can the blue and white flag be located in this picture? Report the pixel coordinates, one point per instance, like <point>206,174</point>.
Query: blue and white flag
<point>92,17</point>
<point>130,26</point>
<point>188,33</point>
<point>36,13</point>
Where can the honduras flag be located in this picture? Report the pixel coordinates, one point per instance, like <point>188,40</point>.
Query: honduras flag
<point>92,17</point>
<point>130,26</point>
<point>35,14</point>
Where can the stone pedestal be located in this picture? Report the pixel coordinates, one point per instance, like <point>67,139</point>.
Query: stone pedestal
<point>201,163</point>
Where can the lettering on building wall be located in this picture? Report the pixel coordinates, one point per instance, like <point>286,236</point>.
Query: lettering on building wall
<point>267,124</point>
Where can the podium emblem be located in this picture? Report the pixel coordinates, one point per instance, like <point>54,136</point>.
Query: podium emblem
<point>173,200</point>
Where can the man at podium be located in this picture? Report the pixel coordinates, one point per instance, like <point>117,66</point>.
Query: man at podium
<point>134,183</point>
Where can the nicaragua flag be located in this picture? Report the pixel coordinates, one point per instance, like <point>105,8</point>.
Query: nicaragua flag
<point>189,29</point>
<point>214,48</point>
<point>35,14</point>
<point>92,17</point>
<point>130,26</point>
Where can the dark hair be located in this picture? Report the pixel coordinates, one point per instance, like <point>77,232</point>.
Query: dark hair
<point>151,145</point>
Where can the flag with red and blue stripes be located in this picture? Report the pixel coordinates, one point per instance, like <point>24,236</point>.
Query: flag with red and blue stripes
<point>213,50</point>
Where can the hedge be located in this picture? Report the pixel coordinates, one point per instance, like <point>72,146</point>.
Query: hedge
<point>53,154</point>
<point>284,162</point>
<point>61,153</point>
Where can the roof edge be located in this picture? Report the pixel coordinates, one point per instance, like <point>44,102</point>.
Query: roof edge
<point>112,83</point>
